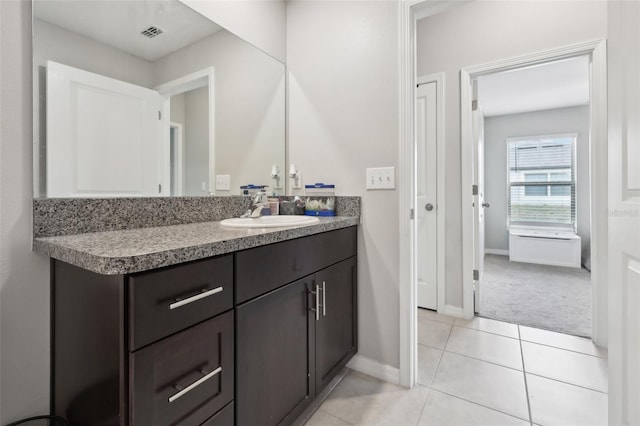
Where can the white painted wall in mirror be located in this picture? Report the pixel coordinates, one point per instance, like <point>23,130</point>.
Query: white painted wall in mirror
<point>262,23</point>
<point>249,104</point>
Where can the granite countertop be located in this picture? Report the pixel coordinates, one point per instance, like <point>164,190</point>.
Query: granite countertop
<point>135,250</point>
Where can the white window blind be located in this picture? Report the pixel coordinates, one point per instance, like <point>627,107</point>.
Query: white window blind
<point>542,184</point>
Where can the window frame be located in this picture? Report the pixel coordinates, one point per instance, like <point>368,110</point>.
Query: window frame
<point>574,183</point>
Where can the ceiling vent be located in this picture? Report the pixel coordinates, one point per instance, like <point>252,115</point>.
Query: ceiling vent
<point>151,32</point>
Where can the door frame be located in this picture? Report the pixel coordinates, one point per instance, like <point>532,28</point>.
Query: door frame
<point>409,11</point>
<point>196,80</point>
<point>596,49</point>
<point>179,157</point>
<point>439,80</point>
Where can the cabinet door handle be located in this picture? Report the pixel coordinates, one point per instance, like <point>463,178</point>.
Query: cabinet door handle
<point>324,300</point>
<point>204,293</point>
<point>317,293</point>
<point>193,385</point>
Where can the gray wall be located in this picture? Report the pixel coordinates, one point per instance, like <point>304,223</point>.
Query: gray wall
<point>24,275</point>
<point>196,141</point>
<point>249,105</point>
<point>249,97</point>
<point>261,23</point>
<point>497,130</point>
<point>343,117</point>
<point>191,109</point>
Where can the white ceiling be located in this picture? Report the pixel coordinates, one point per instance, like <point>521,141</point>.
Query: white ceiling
<point>118,23</point>
<point>552,85</point>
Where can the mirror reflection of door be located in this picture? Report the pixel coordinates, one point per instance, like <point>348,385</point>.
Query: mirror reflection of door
<point>191,110</point>
<point>176,158</point>
<point>103,136</point>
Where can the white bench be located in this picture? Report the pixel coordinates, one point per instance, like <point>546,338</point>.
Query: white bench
<point>546,247</point>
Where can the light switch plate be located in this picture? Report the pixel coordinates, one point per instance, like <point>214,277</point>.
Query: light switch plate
<point>381,178</point>
<point>223,182</point>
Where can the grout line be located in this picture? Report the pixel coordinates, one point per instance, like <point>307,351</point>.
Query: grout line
<point>476,403</point>
<point>448,336</point>
<point>484,360</point>
<point>424,404</point>
<point>487,332</point>
<point>435,371</point>
<point>569,383</point>
<point>564,349</point>
<point>524,374</point>
<point>421,344</point>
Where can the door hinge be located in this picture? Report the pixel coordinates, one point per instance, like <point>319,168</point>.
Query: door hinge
<point>474,189</point>
<point>411,214</point>
<point>474,105</point>
<point>159,188</point>
<point>159,115</point>
<point>476,275</point>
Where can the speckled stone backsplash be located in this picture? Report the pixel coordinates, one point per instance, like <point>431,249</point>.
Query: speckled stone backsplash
<point>70,216</point>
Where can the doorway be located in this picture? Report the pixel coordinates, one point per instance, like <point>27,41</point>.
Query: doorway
<point>472,252</point>
<point>532,242</point>
<point>191,101</point>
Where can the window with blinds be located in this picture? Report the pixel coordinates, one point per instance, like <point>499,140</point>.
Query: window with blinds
<point>542,183</point>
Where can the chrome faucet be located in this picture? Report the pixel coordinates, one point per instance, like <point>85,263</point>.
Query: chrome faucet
<point>261,205</point>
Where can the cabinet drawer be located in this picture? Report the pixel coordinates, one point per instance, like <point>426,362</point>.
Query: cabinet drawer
<point>266,268</point>
<point>168,300</point>
<point>185,378</point>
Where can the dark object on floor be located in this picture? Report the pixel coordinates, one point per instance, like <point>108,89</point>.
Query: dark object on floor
<point>550,297</point>
<point>41,420</point>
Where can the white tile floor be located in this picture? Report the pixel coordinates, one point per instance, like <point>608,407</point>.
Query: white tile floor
<point>481,372</point>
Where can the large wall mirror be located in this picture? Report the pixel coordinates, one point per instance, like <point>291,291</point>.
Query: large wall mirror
<point>150,98</point>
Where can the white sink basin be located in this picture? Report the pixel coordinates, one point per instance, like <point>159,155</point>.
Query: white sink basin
<point>269,221</point>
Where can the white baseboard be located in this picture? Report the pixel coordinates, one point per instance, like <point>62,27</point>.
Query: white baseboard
<point>375,369</point>
<point>452,311</point>
<point>497,251</point>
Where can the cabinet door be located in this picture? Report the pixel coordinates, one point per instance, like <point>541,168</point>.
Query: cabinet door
<point>274,362</point>
<point>336,334</point>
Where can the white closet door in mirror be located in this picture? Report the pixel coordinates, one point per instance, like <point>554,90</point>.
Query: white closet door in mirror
<point>105,137</point>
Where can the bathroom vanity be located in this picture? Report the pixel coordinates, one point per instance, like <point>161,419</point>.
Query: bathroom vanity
<point>199,324</point>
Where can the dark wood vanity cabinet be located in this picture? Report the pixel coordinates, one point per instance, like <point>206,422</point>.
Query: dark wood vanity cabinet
<point>151,348</point>
<point>275,344</point>
<point>335,329</point>
<point>247,338</point>
<point>293,340</point>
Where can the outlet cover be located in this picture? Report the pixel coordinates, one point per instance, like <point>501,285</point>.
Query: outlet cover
<point>223,182</point>
<point>381,178</point>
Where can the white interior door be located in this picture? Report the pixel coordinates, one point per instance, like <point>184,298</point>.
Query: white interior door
<point>426,215</point>
<point>105,137</point>
<point>479,204</point>
<point>624,213</point>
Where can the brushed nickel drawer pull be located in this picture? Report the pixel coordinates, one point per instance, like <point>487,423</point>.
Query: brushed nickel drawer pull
<point>317,308</point>
<point>193,385</point>
<point>205,293</point>
<point>324,300</point>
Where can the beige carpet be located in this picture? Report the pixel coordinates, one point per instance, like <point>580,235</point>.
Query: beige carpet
<point>550,297</point>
